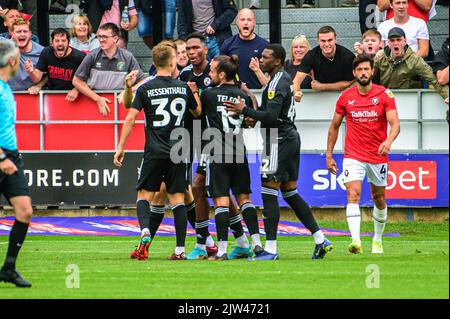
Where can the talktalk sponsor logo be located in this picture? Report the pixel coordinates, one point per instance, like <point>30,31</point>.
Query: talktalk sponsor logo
<point>406,180</point>
<point>412,180</point>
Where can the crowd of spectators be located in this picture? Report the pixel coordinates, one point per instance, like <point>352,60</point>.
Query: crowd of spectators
<point>91,55</point>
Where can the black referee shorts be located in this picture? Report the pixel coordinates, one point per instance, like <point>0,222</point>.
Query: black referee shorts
<point>221,177</point>
<point>16,184</point>
<point>281,160</point>
<point>155,171</point>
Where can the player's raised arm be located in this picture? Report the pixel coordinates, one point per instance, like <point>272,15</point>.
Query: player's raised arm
<point>194,95</point>
<point>394,122</point>
<point>333,133</point>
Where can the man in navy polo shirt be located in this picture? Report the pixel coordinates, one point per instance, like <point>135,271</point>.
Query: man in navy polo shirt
<point>246,45</point>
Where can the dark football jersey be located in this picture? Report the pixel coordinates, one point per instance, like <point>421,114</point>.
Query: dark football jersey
<point>277,97</point>
<point>203,82</point>
<point>230,127</point>
<point>165,102</point>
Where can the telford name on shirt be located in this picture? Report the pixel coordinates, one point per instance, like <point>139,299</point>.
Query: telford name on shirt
<point>167,91</point>
<point>364,116</point>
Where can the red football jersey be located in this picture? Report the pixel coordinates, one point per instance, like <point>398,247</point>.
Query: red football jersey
<point>366,122</point>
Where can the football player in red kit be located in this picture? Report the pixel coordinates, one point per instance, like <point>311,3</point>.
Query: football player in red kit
<point>368,108</point>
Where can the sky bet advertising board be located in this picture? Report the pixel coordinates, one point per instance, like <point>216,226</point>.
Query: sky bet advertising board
<point>414,180</point>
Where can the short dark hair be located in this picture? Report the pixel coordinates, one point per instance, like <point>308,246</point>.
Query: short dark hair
<point>60,31</point>
<point>110,26</point>
<point>278,52</point>
<point>361,58</point>
<point>326,29</point>
<point>228,65</point>
<point>197,35</point>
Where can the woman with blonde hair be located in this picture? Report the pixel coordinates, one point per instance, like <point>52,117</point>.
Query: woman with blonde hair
<point>299,47</point>
<point>82,37</point>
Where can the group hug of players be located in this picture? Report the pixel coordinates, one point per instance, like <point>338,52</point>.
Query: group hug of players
<point>209,94</point>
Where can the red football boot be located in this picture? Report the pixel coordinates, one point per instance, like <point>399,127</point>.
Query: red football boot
<point>212,251</point>
<point>141,252</point>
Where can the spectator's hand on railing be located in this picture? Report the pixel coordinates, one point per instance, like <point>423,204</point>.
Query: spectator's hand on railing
<point>102,103</point>
<point>34,90</point>
<point>29,67</point>
<point>358,48</point>
<point>72,95</point>
<point>379,55</point>
<point>131,78</point>
<point>298,96</point>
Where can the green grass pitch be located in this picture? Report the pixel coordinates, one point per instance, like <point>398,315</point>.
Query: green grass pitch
<point>414,265</point>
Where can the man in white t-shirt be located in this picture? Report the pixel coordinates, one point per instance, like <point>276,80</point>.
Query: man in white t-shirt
<point>416,30</point>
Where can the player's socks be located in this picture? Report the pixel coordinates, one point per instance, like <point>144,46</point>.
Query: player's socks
<point>179,250</point>
<point>354,221</point>
<point>143,213</point>
<point>301,209</point>
<point>156,218</point>
<point>201,228</point>
<point>271,212</point>
<point>145,231</point>
<point>379,221</point>
<point>180,220</point>
<point>223,246</point>
<point>16,239</point>
<point>236,225</point>
<point>271,246</point>
<point>250,218</point>
<point>256,240</point>
<point>222,223</point>
<point>242,241</point>
<point>210,241</point>
<point>318,237</point>
<point>190,211</point>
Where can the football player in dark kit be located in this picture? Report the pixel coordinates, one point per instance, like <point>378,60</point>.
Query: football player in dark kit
<point>281,157</point>
<point>227,159</point>
<point>165,102</point>
<point>13,184</point>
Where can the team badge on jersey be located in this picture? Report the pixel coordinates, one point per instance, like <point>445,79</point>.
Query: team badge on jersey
<point>375,101</point>
<point>389,93</point>
<point>270,94</point>
<point>207,81</point>
<point>121,66</point>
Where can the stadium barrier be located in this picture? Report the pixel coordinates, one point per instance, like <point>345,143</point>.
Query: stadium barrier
<point>68,150</point>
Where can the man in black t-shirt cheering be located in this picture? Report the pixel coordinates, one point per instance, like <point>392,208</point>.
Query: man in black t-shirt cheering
<point>281,157</point>
<point>165,102</point>
<point>227,166</point>
<point>330,65</point>
<point>60,62</point>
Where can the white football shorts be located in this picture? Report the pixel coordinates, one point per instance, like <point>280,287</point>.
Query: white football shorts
<point>354,170</point>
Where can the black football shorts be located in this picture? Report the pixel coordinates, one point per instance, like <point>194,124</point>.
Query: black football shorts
<point>155,171</point>
<point>16,184</point>
<point>221,177</point>
<point>281,160</point>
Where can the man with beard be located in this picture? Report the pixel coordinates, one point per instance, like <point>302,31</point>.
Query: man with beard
<point>246,45</point>
<point>281,158</point>
<point>368,108</point>
<point>227,160</point>
<point>60,62</point>
<point>29,51</point>
<point>13,184</point>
